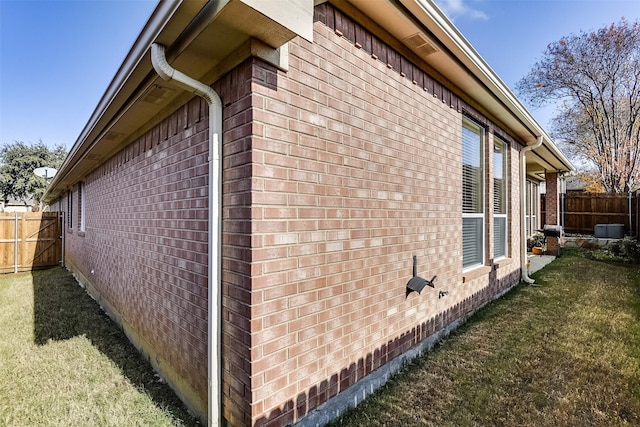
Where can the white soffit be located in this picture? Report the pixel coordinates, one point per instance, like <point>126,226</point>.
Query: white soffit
<point>466,69</point>
<point>460,63</point>
<point>295,15</point>
<point>200,35</point>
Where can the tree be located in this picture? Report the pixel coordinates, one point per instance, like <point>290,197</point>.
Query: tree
<point>17,163</point>
<point>595,76</point>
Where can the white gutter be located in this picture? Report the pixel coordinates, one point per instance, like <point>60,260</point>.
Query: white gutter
<point>523,207</point>
<point>169,73</point>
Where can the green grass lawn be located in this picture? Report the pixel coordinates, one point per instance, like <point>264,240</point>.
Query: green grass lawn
<point>63,362</point>
<point>565,353</point>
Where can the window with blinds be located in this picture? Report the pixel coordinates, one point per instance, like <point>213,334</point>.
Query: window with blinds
<point>531,208</point>
<point>472,195</point>
<point>500,198</point>
<point>81,201</point>
<point>535,202</point>
<point>69,208</point>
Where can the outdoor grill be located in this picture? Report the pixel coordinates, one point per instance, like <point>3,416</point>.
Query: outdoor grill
<point>552,231</point>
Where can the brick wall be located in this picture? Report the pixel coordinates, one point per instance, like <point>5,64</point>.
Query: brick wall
<point>336,173</point>
<point>356,167</point>
<point>144,250</point>
<point>235,91</point>
<point>552,208</point>
<point>551,198</point>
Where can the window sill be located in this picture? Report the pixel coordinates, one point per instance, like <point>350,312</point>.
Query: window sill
<point>501,262</point>
<point>467,276</point>
<point>485,269</point>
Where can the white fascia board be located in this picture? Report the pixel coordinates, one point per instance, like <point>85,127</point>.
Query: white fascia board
<point>460,46</point>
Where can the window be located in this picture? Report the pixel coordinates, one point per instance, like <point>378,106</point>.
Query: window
<point>535,202</point>
<point>472,195</point>
<point>70,209</point>
<point>527,210</point>
<point>500,199</point>
<point>81,202</point>
<point>531,208</point>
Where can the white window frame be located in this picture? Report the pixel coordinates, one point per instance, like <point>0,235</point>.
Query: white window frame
<point>81,195</point>
<point>481,245</point>
<point>531,207</point>
<point>535,207</point>
<point>70,209</point>
<point>504,167</point>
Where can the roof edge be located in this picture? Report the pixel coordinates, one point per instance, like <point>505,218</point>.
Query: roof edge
<point>154,25</point>
<point>461,47</point>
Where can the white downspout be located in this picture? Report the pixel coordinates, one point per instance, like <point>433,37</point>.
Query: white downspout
<point>169,73</point>
<point>523,207</point>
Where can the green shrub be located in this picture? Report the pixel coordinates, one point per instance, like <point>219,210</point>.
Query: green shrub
<point>627,248</point>
<point>615,248</point>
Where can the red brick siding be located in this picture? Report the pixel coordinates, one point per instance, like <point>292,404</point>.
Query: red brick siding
<point>336,173</point>
<point>552,208</point>
<point>551,198</point>
<point>356,168</point>
<point>145,245</point>
<point>235,91</point>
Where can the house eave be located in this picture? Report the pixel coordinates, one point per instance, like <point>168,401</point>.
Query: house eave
<point>456,59</point>
<point>205,39</point>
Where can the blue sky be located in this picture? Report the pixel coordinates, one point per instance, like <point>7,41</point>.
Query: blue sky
<point>57,57</point>
<point>512,35</point>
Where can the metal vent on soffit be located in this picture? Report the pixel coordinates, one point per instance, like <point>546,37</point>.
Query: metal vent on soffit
<point>420,44</point>
<point>156,94</point>
<point>113,136</point>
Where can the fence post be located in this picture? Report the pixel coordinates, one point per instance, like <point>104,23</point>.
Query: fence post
<point>562,208</point>
<point>61,223</point>
<point>15,242</point>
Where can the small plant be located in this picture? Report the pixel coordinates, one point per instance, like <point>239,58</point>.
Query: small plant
<point>615,249</point>
<point>627,248</point>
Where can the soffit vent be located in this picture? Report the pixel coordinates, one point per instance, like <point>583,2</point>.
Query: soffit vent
<point>156,94</point>
<point>113,136</point>
<point>420,44</point>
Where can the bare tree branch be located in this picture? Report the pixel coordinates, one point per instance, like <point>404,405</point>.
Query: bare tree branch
<point>596,76</point>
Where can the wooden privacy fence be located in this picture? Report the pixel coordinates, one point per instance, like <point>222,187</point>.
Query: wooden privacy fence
<point>29,241</point>
<point>580,212</point>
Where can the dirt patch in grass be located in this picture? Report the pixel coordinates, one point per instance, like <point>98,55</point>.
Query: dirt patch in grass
<point>564,353</point>
<point>63,362</point>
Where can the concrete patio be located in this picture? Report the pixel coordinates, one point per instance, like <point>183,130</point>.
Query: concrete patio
<point>537,262</point>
